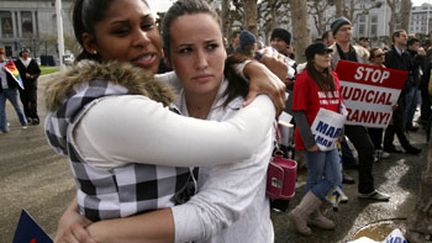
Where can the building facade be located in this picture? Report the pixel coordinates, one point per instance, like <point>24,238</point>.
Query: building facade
<point>420,20</point>
<point>32,24</point>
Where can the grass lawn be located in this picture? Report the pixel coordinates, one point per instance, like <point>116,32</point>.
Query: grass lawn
<point>48,70</point>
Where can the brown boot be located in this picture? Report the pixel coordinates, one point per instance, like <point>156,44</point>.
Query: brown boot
<point>318,220</point>
<point>300,214</point>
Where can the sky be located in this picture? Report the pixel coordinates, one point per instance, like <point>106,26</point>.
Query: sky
<point>163,5</point>
<point>160,5</point>
<point>420,2</point>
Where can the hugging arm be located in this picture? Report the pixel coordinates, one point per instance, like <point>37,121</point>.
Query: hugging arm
<point>140,130</point>
<point>226,195</point>
<point>262,80</point>
<point>229,190</point>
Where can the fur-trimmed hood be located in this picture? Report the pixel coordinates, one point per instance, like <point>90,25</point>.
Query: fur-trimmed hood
<point>134,79</point>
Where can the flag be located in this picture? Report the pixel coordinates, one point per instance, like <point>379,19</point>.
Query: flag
<point>28,231</point>
<point>12,69</point>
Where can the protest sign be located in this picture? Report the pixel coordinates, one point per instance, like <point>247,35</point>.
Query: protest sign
<point>327,128</point>
<point>369,92</point>
<point>28,231</point>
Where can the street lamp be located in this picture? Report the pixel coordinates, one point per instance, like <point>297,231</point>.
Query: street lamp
<point>60,33</point>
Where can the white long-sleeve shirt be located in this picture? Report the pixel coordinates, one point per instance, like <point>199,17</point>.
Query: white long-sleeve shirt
<point>146,132</point>
<point>231,205</point>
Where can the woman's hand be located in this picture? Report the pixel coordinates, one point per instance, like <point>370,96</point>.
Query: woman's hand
<point>264,81</point>
<point>276,64</point>
<point>72,226</point>
<point>150,227</point>
<point>313,149</point>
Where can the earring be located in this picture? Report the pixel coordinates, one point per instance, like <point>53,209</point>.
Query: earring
<point>94,52</point>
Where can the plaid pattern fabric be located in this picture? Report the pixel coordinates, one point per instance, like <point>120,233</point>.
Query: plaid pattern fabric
<point>116,192</point>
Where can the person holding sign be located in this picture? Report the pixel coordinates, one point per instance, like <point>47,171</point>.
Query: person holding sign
<point>315,89</point>
<point>8,90</point>
<point>376,134</point>
<point>344,50</point>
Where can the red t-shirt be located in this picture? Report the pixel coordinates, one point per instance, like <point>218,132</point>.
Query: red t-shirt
<point>308,97</point>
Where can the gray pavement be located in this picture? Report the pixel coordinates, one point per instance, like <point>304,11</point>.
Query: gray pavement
<point>32,176</point>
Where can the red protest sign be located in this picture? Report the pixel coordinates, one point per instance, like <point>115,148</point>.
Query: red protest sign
<point>369,92</point>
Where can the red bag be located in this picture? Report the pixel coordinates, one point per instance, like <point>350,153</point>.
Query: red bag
<point>281,177</point>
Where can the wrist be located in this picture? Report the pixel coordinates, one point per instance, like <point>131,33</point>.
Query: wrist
<point>259,56</point>
<point>252,69</point>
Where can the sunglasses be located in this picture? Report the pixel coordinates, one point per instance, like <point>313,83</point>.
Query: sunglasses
<point>379,55</point>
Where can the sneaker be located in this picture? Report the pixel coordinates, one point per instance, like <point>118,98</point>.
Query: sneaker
<point>412,128</point>
<point>346,179</point>
<point>335,197</point>
<point>422,122</point>
<point>385,155</point>
<point>35,121</point>
<point>343,197</point>
<point>392,149</point>
<point>24,126</point>
<point>412,150</point>
<point>376,158</point>
<point>379,154</point>
<point>375,195</point>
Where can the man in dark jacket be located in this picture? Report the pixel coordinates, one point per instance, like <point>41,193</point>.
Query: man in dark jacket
<point>358,135</point>
<point>29,72</point>
<point>8,90</point>
<point>412,95</point>
<point>398,58</point>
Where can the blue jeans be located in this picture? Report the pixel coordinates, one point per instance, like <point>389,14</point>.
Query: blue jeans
<point>12,96</point>
<point>324,172</point>
<point>411,100</point>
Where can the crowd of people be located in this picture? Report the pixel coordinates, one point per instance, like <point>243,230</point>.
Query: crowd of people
<point>370,144</point>
<point>183,154</point>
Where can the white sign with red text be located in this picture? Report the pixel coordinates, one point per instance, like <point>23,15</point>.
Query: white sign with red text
<point>369,92</point>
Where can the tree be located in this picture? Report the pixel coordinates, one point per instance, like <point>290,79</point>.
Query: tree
<point>34,42</point>
<point>272,14</point>
<point>339,4</point>
<point>317,10</point>
<point>394,17</point>
<point>250,17</point>
<point>226,18</point>
<point>353,8</point>
<point>400,14</point>
<point>300,27</point>
<point>71,44</point>
<point>420,221</point>
<point>405,13</point>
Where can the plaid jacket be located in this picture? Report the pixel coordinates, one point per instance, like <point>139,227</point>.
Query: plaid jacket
<point>116,192</point>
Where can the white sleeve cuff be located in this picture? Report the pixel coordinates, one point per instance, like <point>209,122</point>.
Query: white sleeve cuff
<point>187,225</point>
<point>239,68</point>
